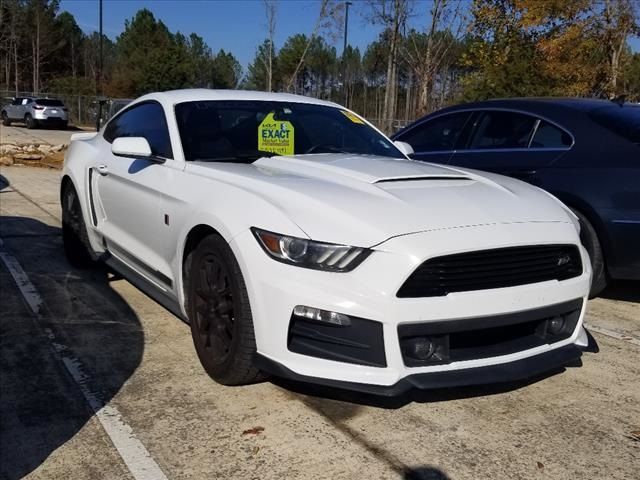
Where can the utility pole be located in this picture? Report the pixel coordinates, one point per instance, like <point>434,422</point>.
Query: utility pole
<point>344,49</point>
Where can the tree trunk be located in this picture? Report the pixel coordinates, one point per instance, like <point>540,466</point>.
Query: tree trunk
<point>407,100</point>
<point>34,88</point>
<point>73,62</point>
<point>15,59</point>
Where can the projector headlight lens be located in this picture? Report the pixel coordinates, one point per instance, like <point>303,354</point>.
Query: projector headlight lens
<point>310,254</point>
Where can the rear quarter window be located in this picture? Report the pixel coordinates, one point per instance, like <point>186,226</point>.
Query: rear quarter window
<point>623,121</point>
<point>550,136</point>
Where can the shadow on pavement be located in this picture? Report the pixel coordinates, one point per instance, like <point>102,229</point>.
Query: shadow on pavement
<point>40,405</point>
<point>625,290</point>
<point>424,473</point>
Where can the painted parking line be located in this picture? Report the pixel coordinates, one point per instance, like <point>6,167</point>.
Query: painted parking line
<point>133,453</point>
<point>613,334</point>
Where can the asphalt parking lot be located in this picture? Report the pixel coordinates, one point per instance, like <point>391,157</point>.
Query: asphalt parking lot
<point>98,381</point>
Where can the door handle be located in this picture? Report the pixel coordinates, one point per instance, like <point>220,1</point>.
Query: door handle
<point>102,170</point>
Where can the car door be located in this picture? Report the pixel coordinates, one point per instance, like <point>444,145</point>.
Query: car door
<point>128,192</point>
<point>512,143</point>
<point>25,107</point>
<point>435,138</point>
<point>13,110</point>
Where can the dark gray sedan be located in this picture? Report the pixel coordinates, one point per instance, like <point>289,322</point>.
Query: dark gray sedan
<point>585,152</point>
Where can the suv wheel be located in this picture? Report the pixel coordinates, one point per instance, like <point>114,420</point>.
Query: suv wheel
<point>29,121</point>
<point>220,314</point>
<point>5,119</point>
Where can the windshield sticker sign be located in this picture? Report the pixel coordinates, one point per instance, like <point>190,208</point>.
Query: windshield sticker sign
<point>276,136</point>
<point>354,118</point>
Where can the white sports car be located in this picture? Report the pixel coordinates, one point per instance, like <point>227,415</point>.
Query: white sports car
<point>298,240</point>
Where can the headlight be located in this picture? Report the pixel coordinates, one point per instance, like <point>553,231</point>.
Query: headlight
<point>310,254</point>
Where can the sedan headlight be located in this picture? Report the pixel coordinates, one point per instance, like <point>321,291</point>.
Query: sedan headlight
<point>310,254</point>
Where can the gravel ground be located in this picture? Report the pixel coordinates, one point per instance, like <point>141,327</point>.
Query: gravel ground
<point>21,135</point>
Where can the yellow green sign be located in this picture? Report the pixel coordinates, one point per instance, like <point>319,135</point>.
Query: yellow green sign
<point>276,136</point>
<point>354,118</point>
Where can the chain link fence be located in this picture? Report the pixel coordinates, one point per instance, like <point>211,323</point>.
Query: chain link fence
<point>83,109</point>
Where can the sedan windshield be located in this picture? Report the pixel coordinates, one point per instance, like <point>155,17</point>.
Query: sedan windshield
<point>243,131</point>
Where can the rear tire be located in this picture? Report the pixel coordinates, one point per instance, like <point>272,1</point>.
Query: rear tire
<point>5,119</point>
<point>74,231</point>
<point>589,238</point>
<point>220,314</point>
<point>30,122</point>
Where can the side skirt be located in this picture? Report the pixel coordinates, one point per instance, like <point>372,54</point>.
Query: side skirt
<point>145,286</point>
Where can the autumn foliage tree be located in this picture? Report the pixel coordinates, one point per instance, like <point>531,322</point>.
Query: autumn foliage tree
<point>549,47</point>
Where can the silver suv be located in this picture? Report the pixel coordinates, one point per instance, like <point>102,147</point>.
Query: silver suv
<point>34,111</point>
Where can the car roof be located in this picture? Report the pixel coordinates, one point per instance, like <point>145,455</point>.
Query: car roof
<point>539,103</point>
<point>173,97</point>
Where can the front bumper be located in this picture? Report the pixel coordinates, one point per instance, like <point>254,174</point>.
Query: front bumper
<point>523,369</point>
<point>369,292</point>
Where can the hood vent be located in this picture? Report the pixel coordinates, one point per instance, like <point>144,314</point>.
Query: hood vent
<point>429,177</point>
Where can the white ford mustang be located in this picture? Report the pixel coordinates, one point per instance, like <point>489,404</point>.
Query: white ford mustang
<point>298,240</point>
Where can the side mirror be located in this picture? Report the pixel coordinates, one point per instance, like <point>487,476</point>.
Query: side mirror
<point>404,147</point>
<point>134,147</point>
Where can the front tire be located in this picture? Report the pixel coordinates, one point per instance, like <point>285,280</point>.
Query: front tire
<point>30,122</point>
<point>220,314</point>
<point>74,231</point>
<point>5,119</point>
<point>589,238</point>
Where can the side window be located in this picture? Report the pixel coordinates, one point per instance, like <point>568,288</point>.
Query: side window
<point>17,101</point>
<point>550,136</point>
<point>26,101</point>
<point>498,129</point>
<point>440,134</point>
<point>145,120</point>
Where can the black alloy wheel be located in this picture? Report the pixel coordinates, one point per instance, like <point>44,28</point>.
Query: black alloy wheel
<point>74,231</point>
<point>220,313</point>
<point>214,313</point>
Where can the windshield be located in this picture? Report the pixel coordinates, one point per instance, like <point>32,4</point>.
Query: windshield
<point>243,131</point>
<point>48,102</point>
<point>625,120</point>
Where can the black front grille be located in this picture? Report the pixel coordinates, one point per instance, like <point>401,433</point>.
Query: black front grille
<point>496,268</point>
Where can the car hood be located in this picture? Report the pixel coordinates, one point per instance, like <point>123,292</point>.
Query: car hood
<point>364,200</point>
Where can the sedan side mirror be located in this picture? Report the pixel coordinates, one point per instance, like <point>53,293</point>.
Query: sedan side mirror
<point>404,147</point>
<point>134,147</point>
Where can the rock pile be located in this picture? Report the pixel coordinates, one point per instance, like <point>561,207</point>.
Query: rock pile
<point>11,153</point>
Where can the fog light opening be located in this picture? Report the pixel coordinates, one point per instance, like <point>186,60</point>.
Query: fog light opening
<point>324,316</point>
<point>556,325</point>
<point>420,348</point>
